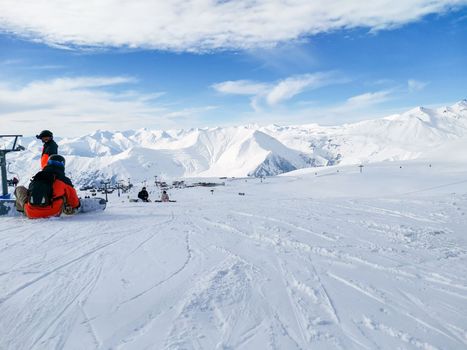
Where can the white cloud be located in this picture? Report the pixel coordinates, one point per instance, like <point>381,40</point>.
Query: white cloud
<point>241,87</point>
<point>279,92</point>
<point>188,113</point>
<point>197,25</point>
<point>415,85</point>
<point>22,64</point>
<point>367,99</point>
<point>73,106</point>
<point>11,62</point>
<point>288,88</point>
<point>69,84</point>
<point>357,107</point>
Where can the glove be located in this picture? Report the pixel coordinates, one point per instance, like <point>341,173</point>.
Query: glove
<point>69,210</point>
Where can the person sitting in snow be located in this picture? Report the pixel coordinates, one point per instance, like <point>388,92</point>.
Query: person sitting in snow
<point>164,197</point>
<point>143,195</point>
<point>50,192</point>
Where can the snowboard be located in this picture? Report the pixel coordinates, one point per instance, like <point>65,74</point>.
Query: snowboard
<point>91,204</point>
<point>7,206</point>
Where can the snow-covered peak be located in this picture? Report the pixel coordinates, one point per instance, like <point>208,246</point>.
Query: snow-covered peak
<point>252,149</point>
<point>459,108</point>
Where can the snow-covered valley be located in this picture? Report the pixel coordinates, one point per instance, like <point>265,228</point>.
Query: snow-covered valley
<point>324,258</point>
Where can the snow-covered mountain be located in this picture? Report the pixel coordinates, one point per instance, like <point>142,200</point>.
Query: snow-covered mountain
<point>249,150</point>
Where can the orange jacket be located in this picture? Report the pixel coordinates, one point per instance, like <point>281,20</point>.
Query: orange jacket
<point>61,191</point>
<point>48,149</point>
<point>44,160</point>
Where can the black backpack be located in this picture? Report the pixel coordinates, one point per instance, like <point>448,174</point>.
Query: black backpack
<point>40,191</point>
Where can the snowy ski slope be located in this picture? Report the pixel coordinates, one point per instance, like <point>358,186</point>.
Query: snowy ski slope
<point>332,260</point>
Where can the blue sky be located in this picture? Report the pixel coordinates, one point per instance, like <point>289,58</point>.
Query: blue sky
<point>74,83</point>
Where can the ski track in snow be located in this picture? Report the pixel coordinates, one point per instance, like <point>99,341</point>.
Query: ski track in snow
<point>230,273</point>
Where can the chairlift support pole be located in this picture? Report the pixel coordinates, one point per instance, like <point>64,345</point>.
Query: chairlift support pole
<point>105,183</point>
<point>4,179</point>
<point>3,164</point>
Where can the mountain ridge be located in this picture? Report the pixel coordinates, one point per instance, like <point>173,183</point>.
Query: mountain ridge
<point>249,150</point>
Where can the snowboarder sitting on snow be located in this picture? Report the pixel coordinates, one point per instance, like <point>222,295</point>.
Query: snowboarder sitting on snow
<point>143,195</point>
<point>50,192</point>
<point>49,148</point>
<point>164,197</point>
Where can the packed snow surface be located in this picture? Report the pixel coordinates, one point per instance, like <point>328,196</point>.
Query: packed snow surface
<point>326,258</point>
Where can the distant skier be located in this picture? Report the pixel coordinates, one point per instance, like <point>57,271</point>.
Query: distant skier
<point>15,181</point>
<point>165,197</point>
<point>50,192</point>
<point>143,195</point>
<point>49,148</point>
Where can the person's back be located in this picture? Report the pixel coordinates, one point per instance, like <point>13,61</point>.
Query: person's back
<point>143,194</point>
<point>63,197</point>
<point>164,197</point>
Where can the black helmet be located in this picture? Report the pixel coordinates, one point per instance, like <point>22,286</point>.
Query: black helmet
<point>45,133</point>
<point>144,188</point>
<point>56,159</point>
